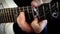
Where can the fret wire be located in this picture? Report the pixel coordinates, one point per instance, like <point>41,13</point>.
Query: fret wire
<point>16,14</point>
<point>12,15</point>
<point>33,12</point>
<point>7,10</point>
<point>9,14</point>
<point>28,12</point>
<point>11,19</point>
<point>50,8</point>
<point>57,6</point>
<point>38,13</point>
<point>23,8</point>
<point>16,11</point>
<point>19,9</point>
<point>1,15</point>
<point>5,15</point>
<point>44,12</point>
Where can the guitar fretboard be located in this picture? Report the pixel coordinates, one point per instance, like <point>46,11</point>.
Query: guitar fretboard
<point>10,14</point>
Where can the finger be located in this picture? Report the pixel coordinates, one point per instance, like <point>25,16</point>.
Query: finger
<point>22,24</point>
<point>36,3</point>
<point>46,1</point>
<point>35,26</point>
<point>42,24</point>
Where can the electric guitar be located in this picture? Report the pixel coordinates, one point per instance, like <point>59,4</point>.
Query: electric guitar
<point>45,11</point>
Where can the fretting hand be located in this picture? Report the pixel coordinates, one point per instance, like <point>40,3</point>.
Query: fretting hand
<point>34,26</point>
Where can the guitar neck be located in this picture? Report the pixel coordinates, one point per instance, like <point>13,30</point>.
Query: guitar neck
<point>49,9</point>
<point>10,14</point>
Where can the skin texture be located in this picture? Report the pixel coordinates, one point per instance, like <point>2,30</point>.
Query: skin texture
<point>34,26</point>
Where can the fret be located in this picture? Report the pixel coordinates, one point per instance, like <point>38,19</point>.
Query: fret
<point>16,11</point>
<point>4,10</point>
<point>58,10</point>
<point>13,13</point>
<point>38,13</point>
<point>57,6</point>
<point>25,8</point>
<point>41,13</point>
<point>21,8</point>
<point>28,12</point>
<point>50,8</point>
<point>6,14</point>
<point>0,15</point>
<point>33,12</point>
<point>9,11</point>
<point>3,15</point>
<point>44,12</point>
<point>29,7</point>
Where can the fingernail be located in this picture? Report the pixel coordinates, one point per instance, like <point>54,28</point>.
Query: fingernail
<point>45,21</point>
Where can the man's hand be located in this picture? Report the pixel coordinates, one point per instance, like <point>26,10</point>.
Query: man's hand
<point>34,26</point>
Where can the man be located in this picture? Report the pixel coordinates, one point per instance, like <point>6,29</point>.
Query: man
<point>22,27</point>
